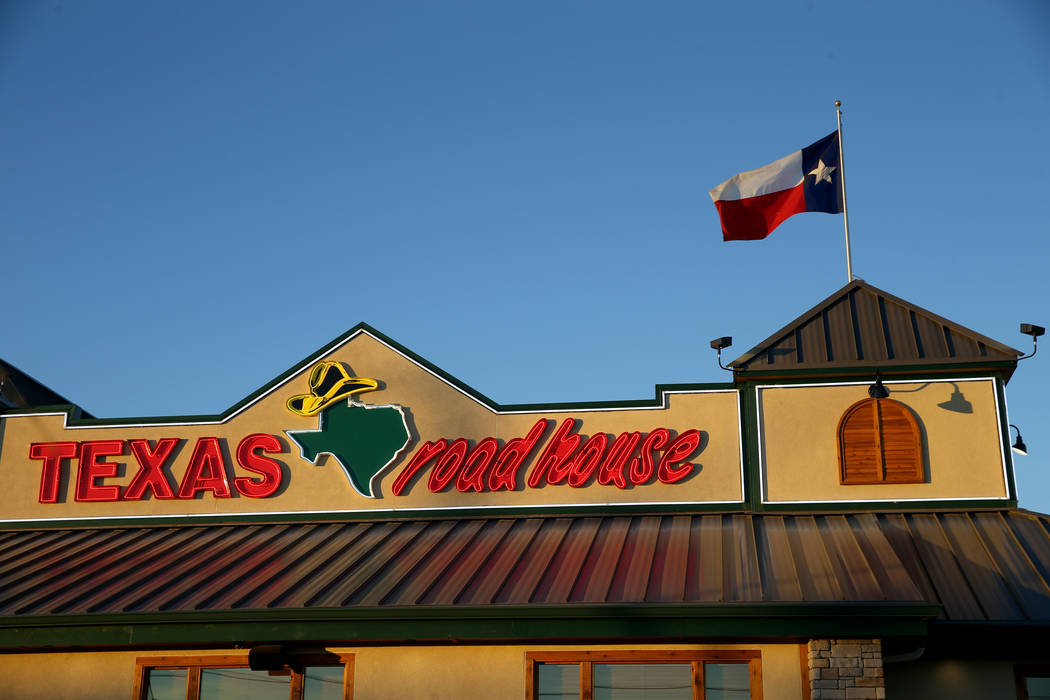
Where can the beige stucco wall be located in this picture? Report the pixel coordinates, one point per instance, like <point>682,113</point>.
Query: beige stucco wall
<point>963,450</point>
<point>382,673</point>
<point>84,676</point>
<point>436,409</point>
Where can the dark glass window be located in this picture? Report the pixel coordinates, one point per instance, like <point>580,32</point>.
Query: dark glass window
<point>644,675</point>
<point>229,678</point>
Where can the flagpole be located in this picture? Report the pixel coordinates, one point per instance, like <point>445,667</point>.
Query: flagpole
<point>845,215</point>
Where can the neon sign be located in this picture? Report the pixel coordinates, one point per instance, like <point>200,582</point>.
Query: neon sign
<point>206,471</point>
<point>567,458</point>
<point>365,440</point>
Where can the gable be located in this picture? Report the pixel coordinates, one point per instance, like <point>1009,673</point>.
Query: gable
<point>863,326</point>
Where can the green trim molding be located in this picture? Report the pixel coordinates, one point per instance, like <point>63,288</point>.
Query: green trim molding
<point>889,371</point>
<point>481,624</point>
<point>583,511</point>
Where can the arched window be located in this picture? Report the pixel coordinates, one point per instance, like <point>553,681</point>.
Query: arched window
<point>879,443</point>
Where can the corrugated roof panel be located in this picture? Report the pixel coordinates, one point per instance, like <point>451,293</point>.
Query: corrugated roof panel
<point>992,593</point>
<point>401,567</point>
<point>55,557</point>
<point>134,577</point>
<point>312,570</point>
<point>782,352</point>
<point>869,327</point>
<point>71,576</point>
<point>598,569</point>
<point>780,579</point>
<point>415,586</point>
<point>263,568</point>
<point>190,592</point>
<point>354,572</point>
<point>1018,573</point>
<point>861,326</point>
<point>24,558</point>
<point>816,577</point>
<point>740,559</point>
<point>458,576</point>
<point>902,334</point>
<point>885,564</point>
<point>939,563</point>
<point>932,337</point>
<point>900,538</point>
<point>631,579</point>
<point>706,537</point>
<point>840,331</point>
<point>490,579</point>
<point>1032,535</point>
<point>965,348</point>
<point>33,547</point>
<point>305,568</point>
<point>811,339</point>
<point>846,556</point>
<point>980,566</point>
<point>668,578</point>
<point>523,580</point>
<point>565,567</point>
<point>11,544</point>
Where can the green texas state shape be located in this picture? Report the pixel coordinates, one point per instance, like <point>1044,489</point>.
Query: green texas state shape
<point>364,439</point>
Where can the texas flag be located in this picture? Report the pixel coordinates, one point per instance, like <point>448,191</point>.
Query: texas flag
<point>754,203</point>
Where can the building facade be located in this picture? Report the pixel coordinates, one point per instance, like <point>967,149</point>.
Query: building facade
<point>839,520</point>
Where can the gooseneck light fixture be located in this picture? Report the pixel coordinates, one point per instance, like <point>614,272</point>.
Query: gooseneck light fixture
<point>1034,331</point>
<point>1019,447</point>
<point>720,343</point>
<point>878,390</point>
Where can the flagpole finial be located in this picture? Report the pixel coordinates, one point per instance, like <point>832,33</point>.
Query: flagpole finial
<point>838,103</point>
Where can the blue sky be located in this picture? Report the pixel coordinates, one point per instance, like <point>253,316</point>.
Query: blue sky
<point>198,195</point>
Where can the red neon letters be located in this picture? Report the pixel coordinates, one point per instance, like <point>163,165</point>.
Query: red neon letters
<point>270,469</point>
<point>150,473</point>
<point>207,470</point>
<point>631,459</point>
<point>52,453</point>
<point>92,469</point>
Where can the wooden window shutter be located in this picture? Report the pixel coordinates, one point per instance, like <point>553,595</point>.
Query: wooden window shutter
<point>879,443</point>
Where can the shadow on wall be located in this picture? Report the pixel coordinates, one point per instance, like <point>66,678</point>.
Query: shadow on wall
<point>956,403</point>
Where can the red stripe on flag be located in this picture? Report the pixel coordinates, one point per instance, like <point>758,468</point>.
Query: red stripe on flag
<point>755,218</point>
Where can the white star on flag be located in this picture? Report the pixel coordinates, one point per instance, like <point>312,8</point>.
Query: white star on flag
<point>821,172</point>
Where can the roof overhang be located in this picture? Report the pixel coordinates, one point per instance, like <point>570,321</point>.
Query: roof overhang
<point>473,624</point>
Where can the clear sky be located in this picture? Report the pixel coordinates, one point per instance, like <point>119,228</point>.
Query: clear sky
<point>198,195</point>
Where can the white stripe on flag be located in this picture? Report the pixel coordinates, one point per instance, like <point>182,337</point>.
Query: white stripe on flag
<point>779,175</point>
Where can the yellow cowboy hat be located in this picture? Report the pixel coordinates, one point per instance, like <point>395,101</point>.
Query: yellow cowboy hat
<point>329,382</point>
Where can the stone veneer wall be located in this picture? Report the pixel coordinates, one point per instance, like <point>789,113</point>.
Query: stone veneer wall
<point>846,668</point>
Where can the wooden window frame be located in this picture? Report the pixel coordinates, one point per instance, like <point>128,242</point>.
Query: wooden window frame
<point>919,475</point>
<point>194,664</point>
<point>1023,671</point>
<point>587,659</point>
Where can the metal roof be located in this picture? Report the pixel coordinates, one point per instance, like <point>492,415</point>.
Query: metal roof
<point>862,326</point>
<point>18,391</point>
<point>980,566</point>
